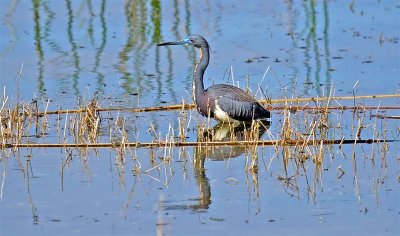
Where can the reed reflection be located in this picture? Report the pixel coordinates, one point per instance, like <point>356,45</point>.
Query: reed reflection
<point>312,51</point>
<point>74,48</point>
<point>100,49</point>
<point>136,19</point>
<point>38,46</point>
<point>27,174</point>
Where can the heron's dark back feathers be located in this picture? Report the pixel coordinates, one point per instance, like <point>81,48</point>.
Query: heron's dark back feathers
<point>238,104</point>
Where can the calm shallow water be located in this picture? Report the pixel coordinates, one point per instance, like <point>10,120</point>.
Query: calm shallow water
<point>71,50</point>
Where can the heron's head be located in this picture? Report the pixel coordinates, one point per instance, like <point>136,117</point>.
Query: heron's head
<point>193,40</point>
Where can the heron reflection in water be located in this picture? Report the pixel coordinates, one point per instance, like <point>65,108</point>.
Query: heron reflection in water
<point>221,132</point>
<point>223,102</point>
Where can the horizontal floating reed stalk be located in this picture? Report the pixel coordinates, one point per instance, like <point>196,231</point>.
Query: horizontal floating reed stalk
<point>163,144</point>
<point>273,101</point>
<point>317,99</point>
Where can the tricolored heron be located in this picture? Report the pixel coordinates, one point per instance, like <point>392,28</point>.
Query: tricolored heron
<point>223,102</point>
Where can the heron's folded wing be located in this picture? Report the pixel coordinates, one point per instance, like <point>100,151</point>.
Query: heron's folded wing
<point>237,110</point>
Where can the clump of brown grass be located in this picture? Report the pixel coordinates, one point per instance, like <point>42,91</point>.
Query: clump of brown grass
<point>18,121</point>
<point>84,126</point>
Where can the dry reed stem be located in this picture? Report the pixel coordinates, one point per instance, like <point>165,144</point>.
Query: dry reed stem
<point>184,106</point>
<point>170,144</point>
<point>319,99</point>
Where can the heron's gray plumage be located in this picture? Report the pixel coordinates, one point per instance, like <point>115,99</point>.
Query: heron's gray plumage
<point>238,104</point>
<point>219,100</point>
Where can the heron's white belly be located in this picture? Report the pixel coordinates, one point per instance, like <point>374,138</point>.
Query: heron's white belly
<point>221,115</point>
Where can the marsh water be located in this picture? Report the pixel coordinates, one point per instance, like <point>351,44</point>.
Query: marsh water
<point>61,55</point>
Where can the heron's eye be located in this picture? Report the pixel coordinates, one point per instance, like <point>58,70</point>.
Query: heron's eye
<point>192,40</point>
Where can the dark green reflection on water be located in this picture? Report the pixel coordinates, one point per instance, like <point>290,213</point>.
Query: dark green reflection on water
<point>91,19</point>
<point>38,45</point>
<point>191,51</point>
<point>308,83</point>
<point>311,41</point>
<point>47,34</point>
<point>312,35</point>
<point>156,20</point>
<point>100,49</point>
<point>188,18</point>
<point>144,30</point>
<point>74,48</point>
<point>326,47</point>
<point>136,19</point>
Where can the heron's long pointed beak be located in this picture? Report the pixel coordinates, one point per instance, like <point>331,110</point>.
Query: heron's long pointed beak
<point>182,42</point>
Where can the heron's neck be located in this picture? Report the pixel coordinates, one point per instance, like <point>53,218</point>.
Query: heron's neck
<point>198,85</point>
